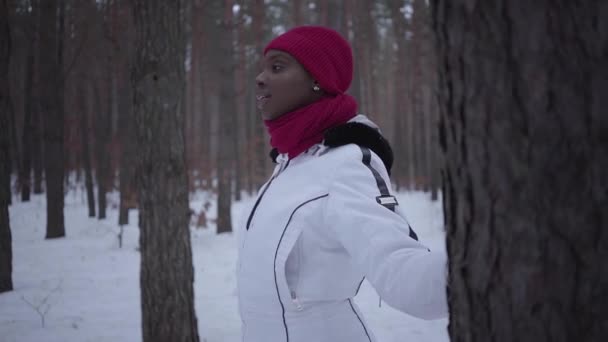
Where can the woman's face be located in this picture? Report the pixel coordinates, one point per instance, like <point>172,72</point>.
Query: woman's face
<point>283,85</point>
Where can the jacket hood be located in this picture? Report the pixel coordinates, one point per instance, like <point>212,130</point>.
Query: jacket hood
<point>361,131</point>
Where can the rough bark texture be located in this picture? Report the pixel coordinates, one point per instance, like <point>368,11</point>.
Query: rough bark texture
<point>167,274</point>
<point>6,251</point>
<point>51,99</point>
<point>524,127</point>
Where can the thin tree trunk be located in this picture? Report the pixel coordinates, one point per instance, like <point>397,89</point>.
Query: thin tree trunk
<point>101,152</point>
<point>86,150</point>
<point>400,95</point>
<point>296,12</point>
<point>126,161</point>
<point>524,126</point>
<point>36,119</point>
<point>6,252</point>
<point>201,120</point>
<point>14,162</point>
<point>157,74</point>
<point>211,81</point>
<point>26,168</point>
<point>51,98</point>
<point>260,145</point>
<point>227,108</point>
<point>239,119</point>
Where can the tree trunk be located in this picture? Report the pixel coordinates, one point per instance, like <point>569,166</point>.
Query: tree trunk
<point>400,28</point>
<point>157,74</point>
<point>239,117</point>
<point>524,126</point>
<point>101,153</point>
<point>37,133</point>
<point>36,129</point>
<point>363,45</point>
<point>26,168</point>
<point>86,149</point>
<point>227,108</point>
<point>127,192</point>
<point>195,146</point>
<point>296,12</point>
<point>6,251</point>
<point>37,157</point>
<point>261,160</point>
<point>50,98</point>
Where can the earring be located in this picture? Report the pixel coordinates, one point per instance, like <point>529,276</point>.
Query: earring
<point>316,87</point>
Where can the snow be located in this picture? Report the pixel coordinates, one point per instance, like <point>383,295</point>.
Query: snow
<point>87,288</point>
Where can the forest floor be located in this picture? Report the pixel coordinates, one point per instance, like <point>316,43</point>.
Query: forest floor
<point>84,287</point>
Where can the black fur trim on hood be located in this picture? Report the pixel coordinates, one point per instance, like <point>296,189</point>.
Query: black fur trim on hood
<point>274,153</point>
<point>362,135</point>
<point>356,133</point>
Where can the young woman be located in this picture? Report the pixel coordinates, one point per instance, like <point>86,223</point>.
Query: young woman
<point>327,217</point>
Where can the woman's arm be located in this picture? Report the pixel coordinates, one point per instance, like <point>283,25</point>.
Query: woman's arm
<point>404,272</point>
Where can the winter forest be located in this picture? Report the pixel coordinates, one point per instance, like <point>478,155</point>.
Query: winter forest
<point>131,150</point>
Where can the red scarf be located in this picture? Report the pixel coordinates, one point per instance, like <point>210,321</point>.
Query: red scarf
<point>296,131</point>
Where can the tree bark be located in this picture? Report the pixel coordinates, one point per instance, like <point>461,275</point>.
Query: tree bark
<point>127,191</point>
<point>102,123</point>
<point>86,149</point>
<point>260,142</point>
<point>26,137</point>
<point>524,126</point>
<point>36,128</point>
<point>400,27</point>
<point>167,275</point>
<point>51,98</point>
<point>227,108</point>
<point>6,252</point>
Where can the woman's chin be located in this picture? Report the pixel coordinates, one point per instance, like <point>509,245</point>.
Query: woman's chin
<point>266,115</point>
<point>269,115</point>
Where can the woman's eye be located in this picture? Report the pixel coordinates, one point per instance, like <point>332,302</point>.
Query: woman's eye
<point>276,67</point>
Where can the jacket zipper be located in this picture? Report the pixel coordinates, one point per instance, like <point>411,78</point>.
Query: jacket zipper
<point>296,301</point>
<point>257,202</point>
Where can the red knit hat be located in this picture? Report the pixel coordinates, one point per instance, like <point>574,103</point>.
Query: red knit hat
<point>323,53</point>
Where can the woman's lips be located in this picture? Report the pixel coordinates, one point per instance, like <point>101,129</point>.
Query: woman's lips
<point>261,100</point>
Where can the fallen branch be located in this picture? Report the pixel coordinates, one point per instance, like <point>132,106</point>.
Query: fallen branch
<point>43,307</point>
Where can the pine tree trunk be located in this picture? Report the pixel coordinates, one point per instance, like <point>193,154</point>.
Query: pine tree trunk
<point>167,275</point>
<point>261,159</point>
<point>51,97</point>
<point>6,252</point>
<point>296,12</point>
<point>126,160</point>
<point>240,121</point>
<point>227,107</point>
<point>36,119</point>
<point>523,103</point>
<point>26,168</point>
<point>86,150</point>
<point>400,93</point>
<point>101,154</point>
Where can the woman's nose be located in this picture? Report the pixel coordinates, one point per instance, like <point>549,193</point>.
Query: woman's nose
<point>259,80</point>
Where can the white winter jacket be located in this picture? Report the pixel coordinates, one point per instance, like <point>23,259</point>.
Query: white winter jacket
<point>323,222</point>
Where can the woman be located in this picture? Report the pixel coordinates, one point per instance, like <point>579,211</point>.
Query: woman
<point>327,218</point>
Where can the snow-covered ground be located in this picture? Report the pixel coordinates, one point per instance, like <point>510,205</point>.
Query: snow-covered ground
<point>87,288</point>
